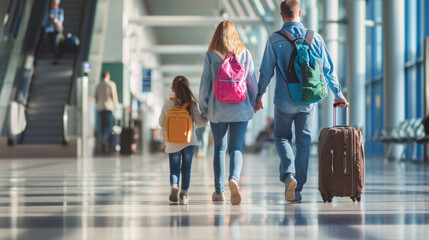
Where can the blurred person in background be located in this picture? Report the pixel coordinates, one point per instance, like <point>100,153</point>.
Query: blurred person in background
<point>106,98</point>
<point>53,24</point>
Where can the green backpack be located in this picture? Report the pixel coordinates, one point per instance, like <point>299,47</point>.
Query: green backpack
<point>305,80</point>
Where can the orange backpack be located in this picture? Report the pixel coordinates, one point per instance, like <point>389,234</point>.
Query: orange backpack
<point>178,124</point>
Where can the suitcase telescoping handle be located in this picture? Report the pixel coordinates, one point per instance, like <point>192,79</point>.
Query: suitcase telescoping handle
<point>335,114</point>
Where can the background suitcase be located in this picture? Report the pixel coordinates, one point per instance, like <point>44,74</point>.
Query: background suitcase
<point>127,134</point>
<point>127,139</point>
<point>71,43</point>
<point>341,162</point>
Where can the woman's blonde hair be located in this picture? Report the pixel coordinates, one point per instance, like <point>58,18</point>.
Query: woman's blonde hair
<point>226,39</point>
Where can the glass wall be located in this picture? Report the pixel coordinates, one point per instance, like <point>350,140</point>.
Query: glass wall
<point>415,25</point>
<point>374,77</point>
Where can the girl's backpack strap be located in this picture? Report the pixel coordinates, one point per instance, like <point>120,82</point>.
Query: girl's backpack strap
<point>174,100</point>
<point>176,104</point>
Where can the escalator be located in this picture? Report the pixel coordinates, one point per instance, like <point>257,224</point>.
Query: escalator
<point>52,87</point>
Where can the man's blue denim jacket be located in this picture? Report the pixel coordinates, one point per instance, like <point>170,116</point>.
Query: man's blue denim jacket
<point>48,23</point>
<point>278,51</point>
<point>216,111</point>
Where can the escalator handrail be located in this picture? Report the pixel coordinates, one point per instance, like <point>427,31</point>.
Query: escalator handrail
<point>86,25</point>
<point>65,124</point>
<point>66,120</point>
<point>87,19</point>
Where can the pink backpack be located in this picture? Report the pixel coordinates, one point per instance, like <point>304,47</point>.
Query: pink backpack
<point>230,84</point>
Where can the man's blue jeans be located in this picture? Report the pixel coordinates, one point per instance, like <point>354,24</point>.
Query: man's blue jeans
<point>106,119</point>
<point>235,146</point>
<point>290,163</point>
<point>181,161</point>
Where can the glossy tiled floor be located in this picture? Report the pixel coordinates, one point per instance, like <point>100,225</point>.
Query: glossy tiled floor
<point>127,198</point>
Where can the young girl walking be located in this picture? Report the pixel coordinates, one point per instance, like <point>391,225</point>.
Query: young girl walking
<point>180,153</point>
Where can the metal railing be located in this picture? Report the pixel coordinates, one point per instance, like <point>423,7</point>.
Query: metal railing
<point>16,121</point>
<point>85,34</point>
<point>70,122</point>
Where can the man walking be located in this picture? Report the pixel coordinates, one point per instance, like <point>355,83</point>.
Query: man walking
<point>277,55</point>
<point>106,98</point>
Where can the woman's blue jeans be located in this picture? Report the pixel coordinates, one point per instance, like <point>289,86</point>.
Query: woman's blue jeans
<point>235,146</point>
<point>181,161</point>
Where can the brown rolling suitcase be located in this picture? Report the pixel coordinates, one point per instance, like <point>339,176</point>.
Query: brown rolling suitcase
<point>341,161</point>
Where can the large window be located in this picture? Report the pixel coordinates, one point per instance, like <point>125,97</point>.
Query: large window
<point>414,62</point>
<point>374,77</point>
<point>414,35</point>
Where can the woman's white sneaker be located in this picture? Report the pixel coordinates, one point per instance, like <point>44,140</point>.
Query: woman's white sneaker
<point>183,198</point>
<point>174,194</point>
<point>218,197</point>
<point>235,194</point>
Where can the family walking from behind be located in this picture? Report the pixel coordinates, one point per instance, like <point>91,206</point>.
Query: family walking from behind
<point>229,95</point>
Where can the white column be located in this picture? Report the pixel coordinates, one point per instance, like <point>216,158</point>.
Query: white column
<point>311,15</point>
<point>356,61</point>
<point>312,18</point>
<point>393,58</point>
<point>84,150</point>
<point>330,36</point>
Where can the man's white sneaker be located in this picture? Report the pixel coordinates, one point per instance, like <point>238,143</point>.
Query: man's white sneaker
<point>290,185</point>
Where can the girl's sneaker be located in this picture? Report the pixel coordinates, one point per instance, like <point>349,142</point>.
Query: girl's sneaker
<point>174,194</point>
<point>235,194</point>
<point>183,198</point>
<point>218,197</point>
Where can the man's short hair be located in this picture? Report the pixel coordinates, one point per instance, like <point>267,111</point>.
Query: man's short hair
<point>289,8</point>
<point>104,74</point>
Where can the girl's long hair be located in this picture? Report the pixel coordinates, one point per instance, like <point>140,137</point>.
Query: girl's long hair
<point>226,39</point>
<point>184,93</point>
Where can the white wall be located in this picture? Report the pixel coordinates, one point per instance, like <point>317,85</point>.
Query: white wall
<point>137,38</point>
<point>113,40</point>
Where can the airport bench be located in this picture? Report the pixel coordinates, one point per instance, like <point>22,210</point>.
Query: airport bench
<point>409,133</point>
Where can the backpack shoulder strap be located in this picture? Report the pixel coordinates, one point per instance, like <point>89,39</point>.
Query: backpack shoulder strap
<point>291,39</point>
<point>230,54</point>
<point>176,104</point>
<point>309,36</point>
<point>174,100</point>
<point>220,55</point>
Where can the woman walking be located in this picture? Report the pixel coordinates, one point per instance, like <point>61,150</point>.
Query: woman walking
<point>227,98</point>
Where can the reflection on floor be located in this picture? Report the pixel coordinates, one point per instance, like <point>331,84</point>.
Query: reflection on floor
<point>127,198</point>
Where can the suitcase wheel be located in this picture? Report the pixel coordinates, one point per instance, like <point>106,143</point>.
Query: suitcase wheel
<point>327,198</point>
<point>356,198</point>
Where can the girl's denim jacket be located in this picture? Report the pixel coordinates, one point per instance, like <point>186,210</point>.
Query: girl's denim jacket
<point>216,111</point>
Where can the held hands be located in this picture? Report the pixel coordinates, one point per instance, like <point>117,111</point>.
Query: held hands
<point>57,23</point>
<point>342,102</point>
<point>259,106</point>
